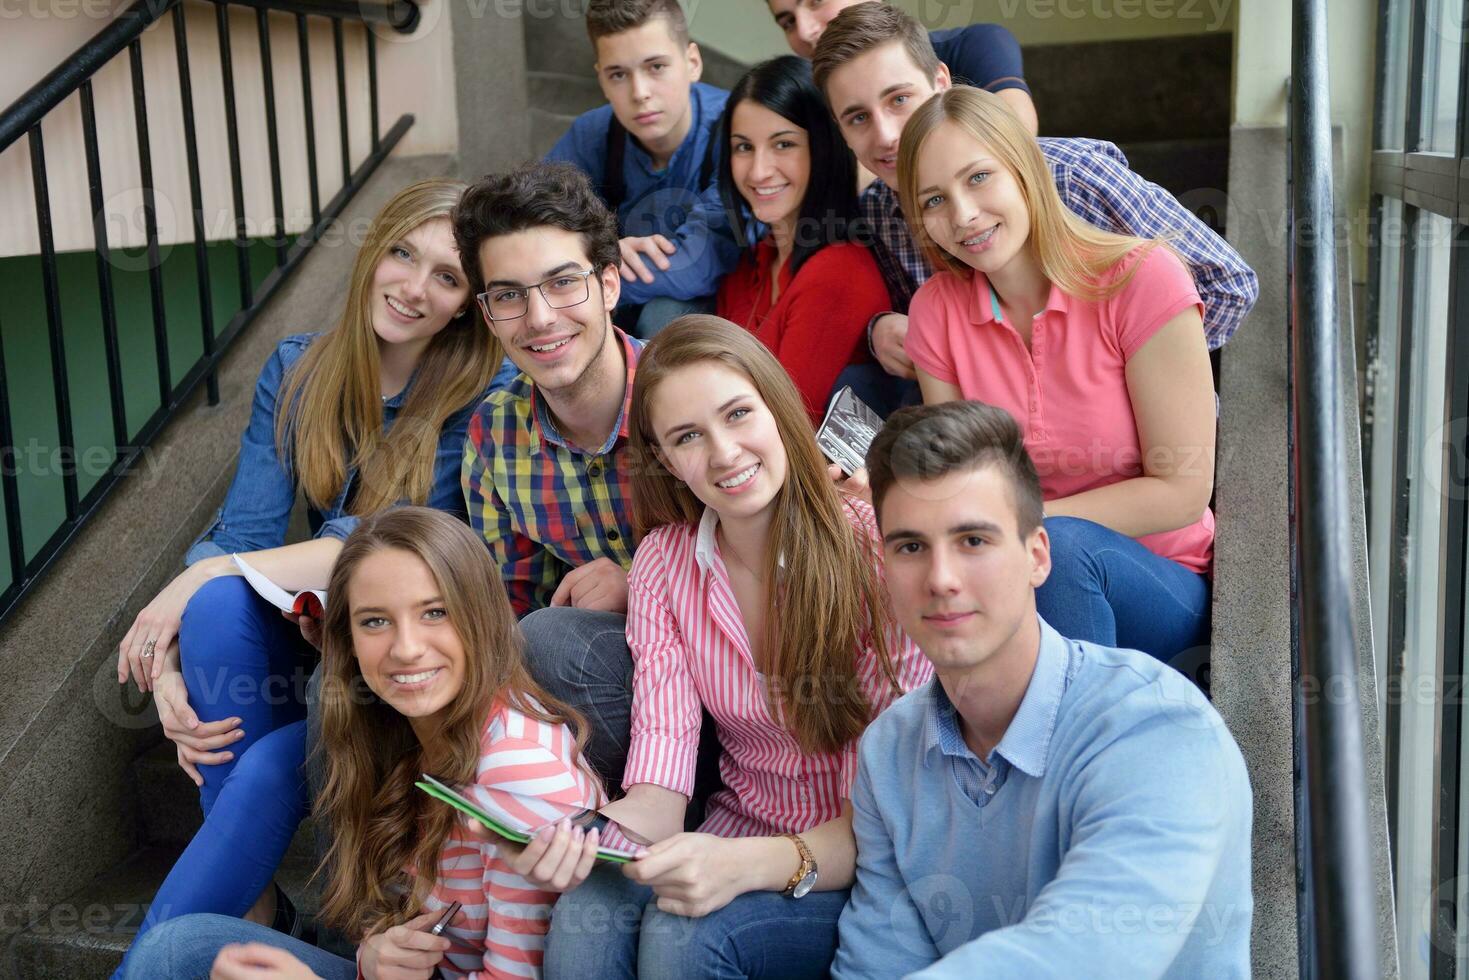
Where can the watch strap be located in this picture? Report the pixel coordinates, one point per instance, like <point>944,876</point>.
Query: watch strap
<point>808,864</point>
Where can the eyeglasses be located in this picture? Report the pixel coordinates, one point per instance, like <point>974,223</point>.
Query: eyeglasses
<point>559,292</point>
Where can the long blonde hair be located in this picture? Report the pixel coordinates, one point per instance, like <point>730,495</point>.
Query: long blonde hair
<point>380,823</point>
<point>1074,255</point>
<point>826,600</point>
<point>329,416</point>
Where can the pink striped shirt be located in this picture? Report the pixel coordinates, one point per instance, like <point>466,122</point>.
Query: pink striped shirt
<point>501,930</point>
<point>690,650</point>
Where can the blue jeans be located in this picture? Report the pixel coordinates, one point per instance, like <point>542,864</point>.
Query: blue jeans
<point>1107,588</point>
<point>184,949</point>
<point>241,659</point>
<point>611,928</point>
<point>658,313</point>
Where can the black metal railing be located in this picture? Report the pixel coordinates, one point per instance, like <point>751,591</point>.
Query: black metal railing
<point>1337,912</point>
<point>26,118</point>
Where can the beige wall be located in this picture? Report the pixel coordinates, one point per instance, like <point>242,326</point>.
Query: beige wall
<point>1262,64</point>
<point>416,74</point>
<point>736,27</point>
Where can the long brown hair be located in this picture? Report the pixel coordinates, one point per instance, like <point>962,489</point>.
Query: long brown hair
<point>1076,256</point>
<point>329,416</point>
<point>826,600</point>
<point>380,823</point>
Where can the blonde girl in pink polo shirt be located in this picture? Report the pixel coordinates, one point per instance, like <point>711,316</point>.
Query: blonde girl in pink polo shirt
<point>1094,342</point>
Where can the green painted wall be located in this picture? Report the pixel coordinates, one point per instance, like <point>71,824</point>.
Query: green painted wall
<point>28,365</point>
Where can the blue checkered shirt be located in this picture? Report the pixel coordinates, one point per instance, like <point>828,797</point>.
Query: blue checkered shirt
<point>1094,181</point>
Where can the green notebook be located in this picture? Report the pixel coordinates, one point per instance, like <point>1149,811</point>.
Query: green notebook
<point>616,842</point>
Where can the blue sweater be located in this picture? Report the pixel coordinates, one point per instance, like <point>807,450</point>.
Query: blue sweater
<point>1107,835</point>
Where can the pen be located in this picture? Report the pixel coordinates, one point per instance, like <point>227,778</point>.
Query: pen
<point>443,923</point>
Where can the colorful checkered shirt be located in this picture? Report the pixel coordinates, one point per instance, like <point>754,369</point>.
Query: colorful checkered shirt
<point>1094,181</point>
<point>543,505</point>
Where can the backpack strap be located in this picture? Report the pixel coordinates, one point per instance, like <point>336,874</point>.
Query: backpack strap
<point>613,188</point>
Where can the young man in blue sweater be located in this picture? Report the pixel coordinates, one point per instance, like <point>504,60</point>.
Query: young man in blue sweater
<point>649,153</point>
<point>1044,807</point>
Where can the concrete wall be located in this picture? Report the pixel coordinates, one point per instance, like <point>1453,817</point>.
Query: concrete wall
<point>1262,64</point>
<point>415,75</point>
<point>733,26</point>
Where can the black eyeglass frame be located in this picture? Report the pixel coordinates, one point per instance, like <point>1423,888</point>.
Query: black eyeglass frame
<point>483,299</point>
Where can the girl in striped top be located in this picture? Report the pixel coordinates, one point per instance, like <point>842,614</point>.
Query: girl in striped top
<point>756,595</point>
<point>422,673</point>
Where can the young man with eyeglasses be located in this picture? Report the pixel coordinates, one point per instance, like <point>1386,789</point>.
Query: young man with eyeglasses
<point>546,459</point>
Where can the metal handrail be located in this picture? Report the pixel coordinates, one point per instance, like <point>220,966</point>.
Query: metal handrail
<point>25,117</point>
<point>1338,914</point>
<point>28,110</point>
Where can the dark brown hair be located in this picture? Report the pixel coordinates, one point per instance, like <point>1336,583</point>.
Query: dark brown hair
<point>928,442</point>
<point>606,17</point>
<point>533,195</point>
<point>860,28</point>
<point>826,599</point>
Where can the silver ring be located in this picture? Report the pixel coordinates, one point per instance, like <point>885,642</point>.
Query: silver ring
<point>148,649</point>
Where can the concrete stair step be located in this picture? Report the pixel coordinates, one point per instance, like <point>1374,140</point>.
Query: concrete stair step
<point>171,814</point>
<point>564,94</point>
<point>85,937</point>
<point>545,129</point>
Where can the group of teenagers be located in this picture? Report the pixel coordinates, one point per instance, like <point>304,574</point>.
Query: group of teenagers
<point>580,548</point>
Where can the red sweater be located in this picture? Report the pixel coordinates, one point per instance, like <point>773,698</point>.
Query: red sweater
<point>819,324</point>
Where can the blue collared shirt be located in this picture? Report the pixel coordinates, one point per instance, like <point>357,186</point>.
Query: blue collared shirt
<point>1106,835</point>
<point>667,202</point>
<point>1094,181</point>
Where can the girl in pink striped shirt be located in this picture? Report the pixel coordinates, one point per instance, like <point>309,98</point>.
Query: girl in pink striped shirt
<point>756,595</point>
<point>422,673</point>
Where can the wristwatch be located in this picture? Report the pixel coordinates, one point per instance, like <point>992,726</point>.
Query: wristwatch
<point>805,877</point>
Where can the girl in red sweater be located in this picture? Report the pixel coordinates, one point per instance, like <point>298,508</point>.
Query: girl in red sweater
<point>806,289</point>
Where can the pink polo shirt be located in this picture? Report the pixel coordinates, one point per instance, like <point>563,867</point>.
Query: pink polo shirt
<point>1069,390</point>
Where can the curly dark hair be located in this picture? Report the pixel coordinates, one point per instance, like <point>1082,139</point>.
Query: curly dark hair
<point>533,195</point>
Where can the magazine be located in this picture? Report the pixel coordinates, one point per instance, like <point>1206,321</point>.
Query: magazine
<point>846,432</point>
<point>311,603</point>
<point>518,818</point>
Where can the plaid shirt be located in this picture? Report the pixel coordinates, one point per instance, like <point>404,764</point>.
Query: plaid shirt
<point>1094,181</point>
<point>544,506</point>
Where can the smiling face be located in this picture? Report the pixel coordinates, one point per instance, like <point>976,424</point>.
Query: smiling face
<point>645,73</point>
<point>803,21</point>
<point>961,577</point>
<point>770,161</point>
<point>409,653</point>
<point>872,96</point>
<point>716,434</point>
<point>559,349</point>
<point>418,286</point>
<point>972,205</point>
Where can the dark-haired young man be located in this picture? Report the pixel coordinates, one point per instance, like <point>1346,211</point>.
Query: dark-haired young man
<point>1045,807</point>
<point>650,155</point>
<point>876,65</point>
<point>986,56</point>
<point>546,459</point>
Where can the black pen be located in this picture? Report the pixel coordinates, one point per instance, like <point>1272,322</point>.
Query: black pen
<point>443,923</point>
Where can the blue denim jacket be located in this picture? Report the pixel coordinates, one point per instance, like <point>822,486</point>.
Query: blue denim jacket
<point>257,509</point>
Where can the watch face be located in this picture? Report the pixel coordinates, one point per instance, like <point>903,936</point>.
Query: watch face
<point>804,886</point>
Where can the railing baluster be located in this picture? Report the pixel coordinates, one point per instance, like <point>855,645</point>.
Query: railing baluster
<point>196,199</point>
<point>232,129</point>
<point>337,45</point>
<point>11,486</point>
<point>59,383</point>
<point>104,269</point>
<point>372,85</point>
<point>262,24</point>
<point>304,41</point>
<point>150,227</point>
